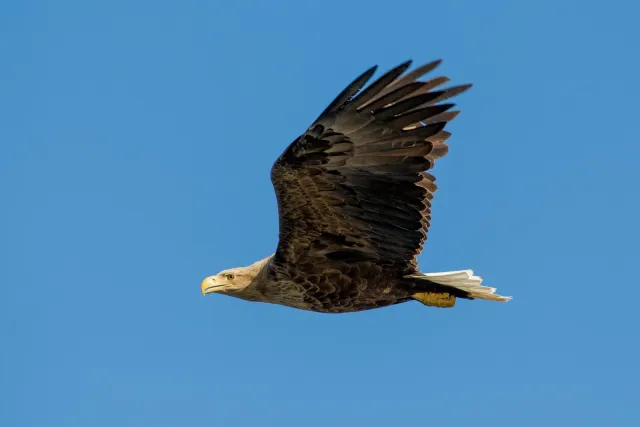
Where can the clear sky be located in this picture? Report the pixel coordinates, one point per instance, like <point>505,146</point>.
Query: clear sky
<point>136,139</point>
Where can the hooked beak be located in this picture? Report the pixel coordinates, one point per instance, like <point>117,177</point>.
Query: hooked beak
<point>208,286</point>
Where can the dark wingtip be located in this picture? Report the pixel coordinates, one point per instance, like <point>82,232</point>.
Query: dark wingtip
<point>404,66</point>
<point>348,92</point>
<point>406,63</point>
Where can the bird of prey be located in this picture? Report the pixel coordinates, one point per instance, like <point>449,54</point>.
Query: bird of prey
<point>354,201</point>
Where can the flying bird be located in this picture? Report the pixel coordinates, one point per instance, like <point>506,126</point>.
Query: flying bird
<point>354,204</point>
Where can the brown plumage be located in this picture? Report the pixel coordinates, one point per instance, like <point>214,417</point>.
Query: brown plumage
<point>354,202</point>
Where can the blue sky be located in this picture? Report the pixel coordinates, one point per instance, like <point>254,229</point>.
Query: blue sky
<point>135,148</point>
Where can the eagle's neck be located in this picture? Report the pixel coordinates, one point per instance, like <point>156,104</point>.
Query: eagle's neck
<point>260,268</point>
<point>258,271</point>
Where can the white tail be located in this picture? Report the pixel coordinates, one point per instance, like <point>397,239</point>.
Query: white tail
<point>465,281</point>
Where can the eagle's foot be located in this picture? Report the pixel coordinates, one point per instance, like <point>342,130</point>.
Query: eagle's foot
<point>433,299</point>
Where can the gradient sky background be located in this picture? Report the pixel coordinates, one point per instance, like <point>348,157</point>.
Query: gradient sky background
<point>136,142</point>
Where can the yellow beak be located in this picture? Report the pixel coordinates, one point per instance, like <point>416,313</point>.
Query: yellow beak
<point>207,286</point>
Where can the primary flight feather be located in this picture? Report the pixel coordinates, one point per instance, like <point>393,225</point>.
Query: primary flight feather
<point>354,199</point>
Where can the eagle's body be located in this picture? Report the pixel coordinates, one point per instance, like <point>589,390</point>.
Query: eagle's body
<point>336,288</point>
<point>354,203</point>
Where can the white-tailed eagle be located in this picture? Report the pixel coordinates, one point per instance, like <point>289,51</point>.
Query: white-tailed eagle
<point>354,200</point>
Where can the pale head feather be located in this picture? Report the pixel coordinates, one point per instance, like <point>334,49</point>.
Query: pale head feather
<point>240,282</point>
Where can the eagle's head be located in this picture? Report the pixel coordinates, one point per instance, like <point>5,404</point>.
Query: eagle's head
<point>232,281</point>
<point>238,282</point>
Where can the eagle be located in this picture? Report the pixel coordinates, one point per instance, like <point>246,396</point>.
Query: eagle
<point>354,204</point>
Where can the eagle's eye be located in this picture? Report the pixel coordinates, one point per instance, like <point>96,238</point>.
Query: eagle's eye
<point>230,276</point>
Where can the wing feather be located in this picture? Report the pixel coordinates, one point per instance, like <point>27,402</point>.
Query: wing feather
<point>355,186</point>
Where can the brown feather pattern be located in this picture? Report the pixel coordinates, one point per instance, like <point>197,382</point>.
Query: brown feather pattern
<point>354,197</point>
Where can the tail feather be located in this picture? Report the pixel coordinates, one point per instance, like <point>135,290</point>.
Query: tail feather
<point>465,281</point>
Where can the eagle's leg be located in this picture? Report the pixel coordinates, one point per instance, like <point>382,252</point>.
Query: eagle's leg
<point>435,299</point>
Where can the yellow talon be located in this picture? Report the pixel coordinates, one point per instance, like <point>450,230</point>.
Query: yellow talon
<point>432,299</point>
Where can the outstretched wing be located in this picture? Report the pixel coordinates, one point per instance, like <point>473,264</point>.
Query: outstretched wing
<point>354,186</point>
